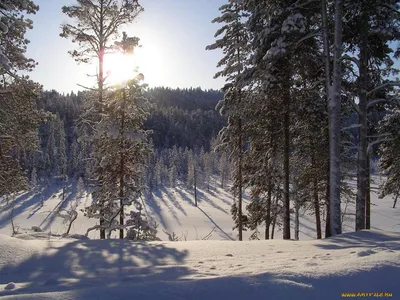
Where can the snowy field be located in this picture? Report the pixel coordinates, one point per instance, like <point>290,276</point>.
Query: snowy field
<point>55,268</point>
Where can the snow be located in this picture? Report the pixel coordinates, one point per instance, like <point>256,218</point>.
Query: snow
<point>45,265</point>
<point>276,269</point>
<point>174,211</point>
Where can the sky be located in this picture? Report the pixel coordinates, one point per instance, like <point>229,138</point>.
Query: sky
<point>173,35</point>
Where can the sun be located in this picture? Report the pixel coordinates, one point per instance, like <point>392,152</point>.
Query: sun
<point>119,67</point>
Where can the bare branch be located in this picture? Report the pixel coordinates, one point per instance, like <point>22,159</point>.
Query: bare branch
<point>209,234</point>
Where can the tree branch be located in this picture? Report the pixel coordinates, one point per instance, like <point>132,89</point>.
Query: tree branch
<point>385,85</point>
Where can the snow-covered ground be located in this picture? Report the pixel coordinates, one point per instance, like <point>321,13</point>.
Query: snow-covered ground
<point>49,267</point>
<point>363,262</point>
<point>174,212</point>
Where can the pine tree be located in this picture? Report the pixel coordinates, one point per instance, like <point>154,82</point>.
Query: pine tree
<point>234,43</point>
<point>389,161</point>
<point>73,159</point>
<point>61,153</point>
<point>124,149</point>
<point>370,34</point>
<point>96,27</point>
<point>19,118</point>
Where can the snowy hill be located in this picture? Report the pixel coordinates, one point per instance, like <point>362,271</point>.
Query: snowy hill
<point>363,262</point>
<point>174,211</point>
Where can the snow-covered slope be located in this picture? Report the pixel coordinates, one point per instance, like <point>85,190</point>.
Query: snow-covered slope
<point>174,211</point>
<point>363,262</point>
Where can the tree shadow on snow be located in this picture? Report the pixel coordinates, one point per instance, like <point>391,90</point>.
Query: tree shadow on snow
<point>222,233</point>
<point>70,195</point>
<point>89,263</point>
<point>362,239</point>
<point>27,200</point>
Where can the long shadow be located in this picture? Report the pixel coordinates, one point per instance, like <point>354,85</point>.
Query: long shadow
<point>362,239</point>
<point>224,234</point>
<point>222,199</point>
<point>37,207</point>
<point>173,200</point>
<point>25,201</point>
<point>162,272</point>
<point>162,195</point>
<point>153,206</point>
<point>71,192</point>
<point>88,263</point>
<point>184,196</point>
<point>203,197</point>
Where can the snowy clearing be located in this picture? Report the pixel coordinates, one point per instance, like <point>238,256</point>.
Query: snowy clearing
<point>174,211</point>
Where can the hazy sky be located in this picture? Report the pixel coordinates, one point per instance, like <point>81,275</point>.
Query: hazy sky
<point>173,35</point>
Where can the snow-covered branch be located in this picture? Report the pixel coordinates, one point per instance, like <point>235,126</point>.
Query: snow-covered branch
<point>352,59</point>
<point>385,85</point>
<point>377,142</point>
<point>311,35</point>
<point>351,127</point>
<point>392,101</point>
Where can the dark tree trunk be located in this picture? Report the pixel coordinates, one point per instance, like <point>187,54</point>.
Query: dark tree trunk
<point>362,133</point>
<point>122,167</point>
<point>368,202</point>
<point>240,148</point>
<point>316,209</point>
<point>328,208</point>
<point>100,85</point>
<point>72,221</point>
<point>395,199</point>
<point>268,215</point>
<point>273,227</point>
<point>286,166</point>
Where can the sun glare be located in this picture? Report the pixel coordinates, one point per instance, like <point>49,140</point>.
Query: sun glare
<point>119,67</point>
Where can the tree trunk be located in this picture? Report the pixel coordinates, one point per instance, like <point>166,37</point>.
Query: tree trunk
<point>316,209</point>
<point>315,194</point>
<point>273,227</point>
<point>240,146</point>
<point>72,221</point>
<point>268,215</point>
<point>296,219</point>
<point>327,57</point>
<point>362,132</point>
<point>286,166</point>
<point>395,199</point>
<point>328,208</point>
<point>100,86</point>
<point>195,184</point>
<point>368,197</point>
<point>334,124</point>
<point>122,166</point>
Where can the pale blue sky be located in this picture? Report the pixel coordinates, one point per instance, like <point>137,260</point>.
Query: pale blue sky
<point>173,33</point>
